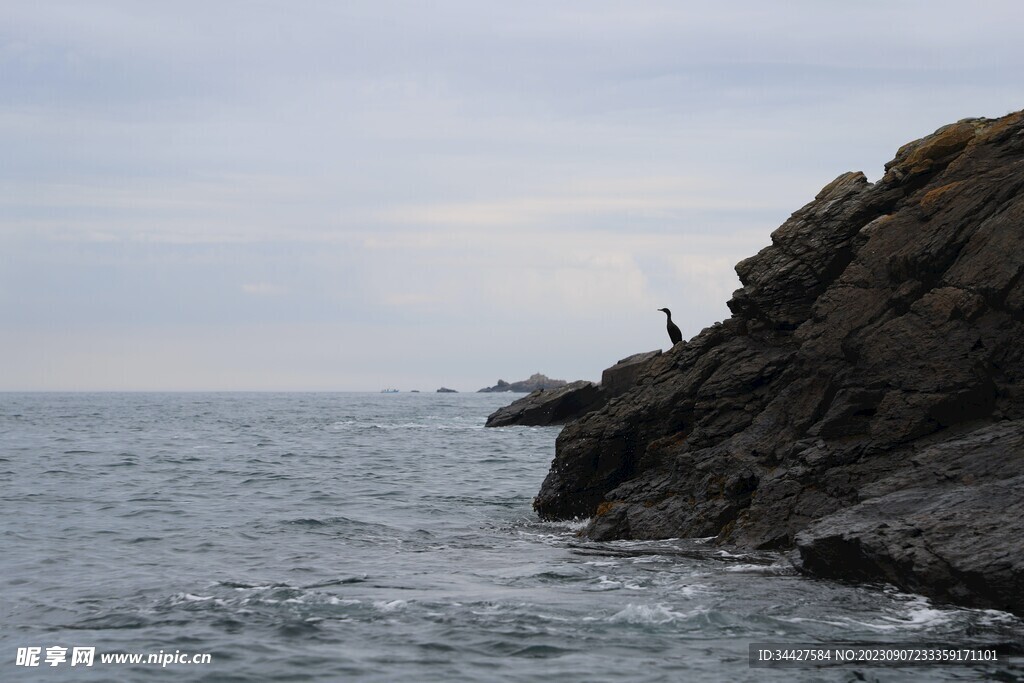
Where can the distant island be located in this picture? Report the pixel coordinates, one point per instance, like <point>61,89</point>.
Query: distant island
<point>535,382</point>
<point>446,390</point>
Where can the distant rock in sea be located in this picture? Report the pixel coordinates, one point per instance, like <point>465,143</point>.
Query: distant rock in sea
<point>536,382</point>
<point>446,390</point>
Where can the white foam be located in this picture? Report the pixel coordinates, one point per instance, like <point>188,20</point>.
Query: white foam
<point>923,614</point>
<point>335,600</point>
<point>606,584</point>
<point>994,617</point>
<point>690,590</point>
<point>761,569</point>
<point>390,605</point>
<point>651,614</point>
<point>920,615</point>
<point>180,598</point>
<point>573,524</point>
<point>801,620</point>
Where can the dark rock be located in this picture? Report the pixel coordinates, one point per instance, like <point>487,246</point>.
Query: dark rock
<point>621,377</point>
<point>536,382</point>
<point>571,401</point>
<point>553,407</point>
<point>446,390</point>
<point>951,526</point>
<point>880,330</point>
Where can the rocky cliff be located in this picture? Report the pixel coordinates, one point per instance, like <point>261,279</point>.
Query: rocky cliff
<point>863,404</point>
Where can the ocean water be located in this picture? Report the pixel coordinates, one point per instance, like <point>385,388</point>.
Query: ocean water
<point>382,537</point>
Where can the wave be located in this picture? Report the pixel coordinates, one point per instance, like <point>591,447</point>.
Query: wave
<point>656,614</point>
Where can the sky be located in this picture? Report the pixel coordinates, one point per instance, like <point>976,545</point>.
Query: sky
<point>343,195</point>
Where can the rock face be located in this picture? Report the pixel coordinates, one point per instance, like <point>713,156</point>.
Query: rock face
<point>620,378</point>
<point>572,401</point>
<point>950,526</point>
<point>536,382</point>
<point>864,401</point>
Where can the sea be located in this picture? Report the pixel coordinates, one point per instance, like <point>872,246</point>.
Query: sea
<point>388,537</point>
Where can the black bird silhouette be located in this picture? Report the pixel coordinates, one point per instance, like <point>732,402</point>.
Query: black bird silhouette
<point>673,331</point>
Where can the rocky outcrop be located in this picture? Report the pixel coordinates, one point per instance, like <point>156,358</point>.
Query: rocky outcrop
<point>553,407</point>
<point>572,401</point>
<point>536,382</point>
<point>863,403</point>
<point>621,377</point>
<point>949,525</point>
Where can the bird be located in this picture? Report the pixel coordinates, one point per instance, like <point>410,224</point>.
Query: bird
<point>673,331</point>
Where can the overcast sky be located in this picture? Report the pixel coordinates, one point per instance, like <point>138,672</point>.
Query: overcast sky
<point>344,195</point>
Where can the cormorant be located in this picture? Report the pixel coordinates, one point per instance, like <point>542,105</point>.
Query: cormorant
<point>673,331</point>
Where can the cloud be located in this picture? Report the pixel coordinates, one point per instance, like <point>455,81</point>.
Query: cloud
<point>515,184</point>
<point>263,289</point>
<point>535,211</point>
